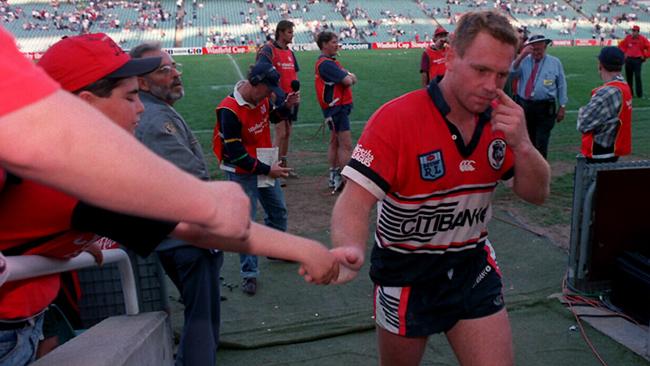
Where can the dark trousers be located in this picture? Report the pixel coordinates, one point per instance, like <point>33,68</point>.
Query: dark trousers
<point>540,120</point>
<point>195,272</point>
<point>633,74</point>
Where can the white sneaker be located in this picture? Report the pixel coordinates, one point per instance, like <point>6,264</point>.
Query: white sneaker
<point>330,182</point>
<point>339,182</point>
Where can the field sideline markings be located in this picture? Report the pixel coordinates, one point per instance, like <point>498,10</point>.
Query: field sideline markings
<point>234,63</point>
<point>573,111</point>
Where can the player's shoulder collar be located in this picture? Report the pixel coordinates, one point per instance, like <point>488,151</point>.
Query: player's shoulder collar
<point>441,104</point>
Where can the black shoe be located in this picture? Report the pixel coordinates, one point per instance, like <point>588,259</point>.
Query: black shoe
<point>249,286</point>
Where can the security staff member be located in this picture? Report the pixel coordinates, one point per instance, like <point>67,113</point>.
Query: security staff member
<point>636,48</point>
<point>541,86</point>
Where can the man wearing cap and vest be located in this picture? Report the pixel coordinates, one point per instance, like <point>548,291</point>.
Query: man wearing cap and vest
<point>542,86</point>
<point>334,93</point>
<point>432,65</point>
<point>606,121</point>
<point>241,129</point>
<point>278,54</point>
<point>636,48</point>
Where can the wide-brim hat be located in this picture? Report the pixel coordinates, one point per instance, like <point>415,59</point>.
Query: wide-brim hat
<point>76,62</point>
<point>537,38</point>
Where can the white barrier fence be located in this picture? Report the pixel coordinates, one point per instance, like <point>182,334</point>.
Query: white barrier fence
<point>28,266</point>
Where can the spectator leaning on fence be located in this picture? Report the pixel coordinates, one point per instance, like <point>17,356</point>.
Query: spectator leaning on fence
<point>35,219</point>
<point>194,271</point>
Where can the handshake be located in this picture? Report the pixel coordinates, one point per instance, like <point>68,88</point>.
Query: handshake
<point>336,266</point>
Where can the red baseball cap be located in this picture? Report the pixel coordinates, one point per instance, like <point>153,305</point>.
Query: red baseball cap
<point>76,62</point>
<point>636,28</point>
<point>440,31</point>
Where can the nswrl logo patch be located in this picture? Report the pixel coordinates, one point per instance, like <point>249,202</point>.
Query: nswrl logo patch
<point>432,166</point>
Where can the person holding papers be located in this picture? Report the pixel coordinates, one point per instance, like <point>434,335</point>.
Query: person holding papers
<point>242,144</point>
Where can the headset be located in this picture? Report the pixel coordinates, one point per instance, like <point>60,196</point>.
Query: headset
<point>257,79</point>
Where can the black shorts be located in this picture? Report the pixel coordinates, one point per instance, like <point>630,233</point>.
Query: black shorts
<point>468,292</point>
<point>339,121</point>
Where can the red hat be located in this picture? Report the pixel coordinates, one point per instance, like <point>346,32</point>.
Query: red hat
<point>440,31</point>
<point>76,62</point>
<point>636,28</point>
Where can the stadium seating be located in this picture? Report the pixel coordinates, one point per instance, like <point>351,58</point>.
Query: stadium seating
<point>37,34</point>
<point>236,22</point>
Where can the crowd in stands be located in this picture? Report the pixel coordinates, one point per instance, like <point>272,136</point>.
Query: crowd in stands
<point>82,15</point>
<point>251,22</point>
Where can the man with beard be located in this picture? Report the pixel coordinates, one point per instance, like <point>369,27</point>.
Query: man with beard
<point>431,160</point>
<point>194,271</point>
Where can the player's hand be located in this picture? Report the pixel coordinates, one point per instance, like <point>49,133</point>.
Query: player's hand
<point>278,171</point>
<point>320,267</point>
<point>560,114</point>
<point>350,260</point>
<point>525,51</point>
<point>231,218</point>
<point>354,78</point>
<point>509,118</point>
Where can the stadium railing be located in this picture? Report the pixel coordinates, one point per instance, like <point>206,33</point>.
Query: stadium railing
<point>29,266</point>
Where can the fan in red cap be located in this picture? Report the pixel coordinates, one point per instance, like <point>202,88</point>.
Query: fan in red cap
<point>432,65</point>
<point>636,48</point>
<point>76,62</point>
<point>40,220</point>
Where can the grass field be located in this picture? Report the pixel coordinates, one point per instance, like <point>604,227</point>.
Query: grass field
<point>384,75</point>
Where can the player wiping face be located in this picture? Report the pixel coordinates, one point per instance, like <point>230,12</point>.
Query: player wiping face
<point>509,118</point>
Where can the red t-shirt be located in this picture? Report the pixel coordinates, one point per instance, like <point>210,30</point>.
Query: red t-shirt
<point>22,83</point>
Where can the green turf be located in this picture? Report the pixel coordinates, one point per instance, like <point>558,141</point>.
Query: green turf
<point>384,75</point>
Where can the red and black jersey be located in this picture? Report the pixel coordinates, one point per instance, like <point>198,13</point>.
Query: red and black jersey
<point>330,94</point>
<point>436,62</point>
<point>434,191</point>
<point>623,142</point>
<point>255,132</point>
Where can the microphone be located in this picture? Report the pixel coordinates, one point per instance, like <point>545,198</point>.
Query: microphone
<point>295,85</point>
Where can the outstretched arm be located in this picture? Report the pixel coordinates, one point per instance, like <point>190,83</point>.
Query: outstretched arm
<point>318,265</point>
<point>63,142</point>
<point>350,228</point>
